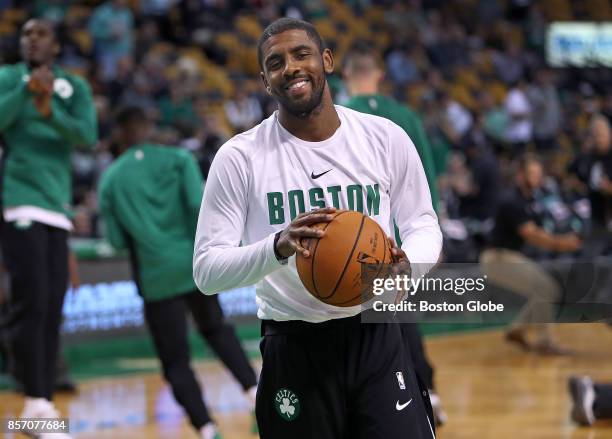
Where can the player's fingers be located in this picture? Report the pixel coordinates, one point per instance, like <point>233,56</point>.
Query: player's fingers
<point>313,218</point>
<point>398,255</point>
<point>323,210</point>
<point>306,232</point>
<point>297,246</point>
<point>401,267</point>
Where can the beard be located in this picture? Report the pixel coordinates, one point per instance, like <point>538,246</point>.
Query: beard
<point>305,107</point>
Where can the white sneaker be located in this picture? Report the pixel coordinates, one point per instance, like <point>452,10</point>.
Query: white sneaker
<point>440,416</point>
<point>583,396</point>
<point>41,408</point>
<point>208,431</point>
<point>54,436</point>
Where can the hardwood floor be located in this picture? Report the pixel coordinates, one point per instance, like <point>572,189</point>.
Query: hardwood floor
<point>490,389</point>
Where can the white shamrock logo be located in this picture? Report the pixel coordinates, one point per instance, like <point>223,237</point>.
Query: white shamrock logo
<point>286,408</point>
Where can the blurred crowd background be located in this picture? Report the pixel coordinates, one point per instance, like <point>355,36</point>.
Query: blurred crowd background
<point>474,70</point>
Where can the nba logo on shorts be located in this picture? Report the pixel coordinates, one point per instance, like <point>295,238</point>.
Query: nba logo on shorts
<point>400,380</point>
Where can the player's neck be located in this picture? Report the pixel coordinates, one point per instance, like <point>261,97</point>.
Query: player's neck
<point>525,190</point>
<point>319,125</point>
<point>363,88</point>
<point>33,64</point>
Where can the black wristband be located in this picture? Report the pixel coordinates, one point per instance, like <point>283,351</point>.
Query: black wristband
<point>279,257</point>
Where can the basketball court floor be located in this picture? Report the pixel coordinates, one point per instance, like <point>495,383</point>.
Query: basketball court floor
<point>490,390</point>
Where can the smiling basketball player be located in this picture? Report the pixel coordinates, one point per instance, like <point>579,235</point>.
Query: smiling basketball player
<point>325,375</point>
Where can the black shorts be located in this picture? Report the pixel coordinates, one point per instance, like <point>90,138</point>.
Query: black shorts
<point>339,379</point>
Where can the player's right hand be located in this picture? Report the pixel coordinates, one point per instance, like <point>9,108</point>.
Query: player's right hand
<point>569,242</point>
<point>41,84</point>
<point>289,241</point>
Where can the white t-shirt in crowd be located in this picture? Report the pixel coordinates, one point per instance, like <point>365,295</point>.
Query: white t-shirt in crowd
<point>261,179</point>
<point>517,104</point>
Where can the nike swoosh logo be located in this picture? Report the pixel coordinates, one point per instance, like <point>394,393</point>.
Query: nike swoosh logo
<point>399,406</point>
<point>315,176</point>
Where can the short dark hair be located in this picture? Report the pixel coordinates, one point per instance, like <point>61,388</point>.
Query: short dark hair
<point>284,24</point>
<point>57,29</point>
<point>360,50</point>
<point>130,114</point>
<point>526,159</point>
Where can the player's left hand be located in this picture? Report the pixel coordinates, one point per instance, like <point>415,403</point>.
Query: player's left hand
<point>401,264</point>
<point>41,81</point>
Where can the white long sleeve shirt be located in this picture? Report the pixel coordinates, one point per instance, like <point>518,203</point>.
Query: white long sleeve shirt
<point>261,179</point>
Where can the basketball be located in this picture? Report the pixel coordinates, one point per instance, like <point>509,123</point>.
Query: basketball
<point>333,271</point>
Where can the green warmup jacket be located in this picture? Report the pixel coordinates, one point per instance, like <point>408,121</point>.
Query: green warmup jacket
<point>37,165</point>
<point>150,200</point>
<point>410,122</point>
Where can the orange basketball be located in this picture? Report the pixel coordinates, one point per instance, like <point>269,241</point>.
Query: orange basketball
<point>333,271</point>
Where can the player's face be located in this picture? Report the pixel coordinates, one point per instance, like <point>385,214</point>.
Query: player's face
<point>601,136</point>
<point>534,175</point>
<point>38,43</point>
<point>294,71</point>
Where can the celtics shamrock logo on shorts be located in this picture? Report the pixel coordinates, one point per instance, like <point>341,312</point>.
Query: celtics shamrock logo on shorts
<point>287,404</point>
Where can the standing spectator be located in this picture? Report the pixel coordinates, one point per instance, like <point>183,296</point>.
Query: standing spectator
<point>111,27</point>
<point>44,112</point>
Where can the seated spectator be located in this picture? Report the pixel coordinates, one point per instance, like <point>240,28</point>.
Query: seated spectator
<point>457,119</point>
<point>546,110</point>
<point>243,112</point>
<point>596,174</point>
<point>400,66</point>
<point>139,93</point>
<point>479,201</point>
<point>519,131</point>
<point>510,65</point>
<point>495,118</point>
<point>177,108</point>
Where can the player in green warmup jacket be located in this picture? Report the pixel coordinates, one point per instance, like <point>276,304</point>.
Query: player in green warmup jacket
<point>150,199</point>
<point>44,113</point>
<point>362,76</point>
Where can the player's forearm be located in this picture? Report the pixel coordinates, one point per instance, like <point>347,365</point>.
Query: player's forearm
<point>423,247</point>
<point>219,267</point>
<point>82,130</point>
<point>11,104</point>
<point>113,233</point>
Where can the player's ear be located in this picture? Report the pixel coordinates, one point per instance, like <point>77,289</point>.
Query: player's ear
<point>265,82</point>
<point>380,74</point>
<point>328,61</point>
